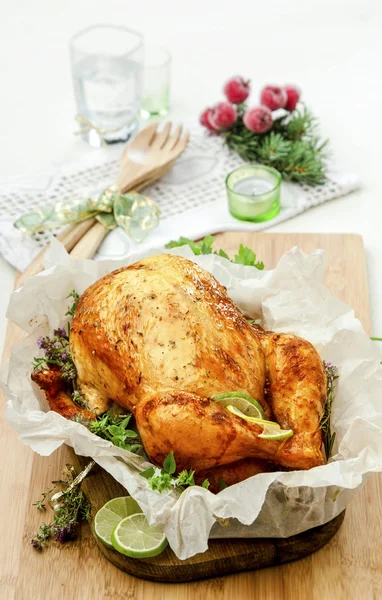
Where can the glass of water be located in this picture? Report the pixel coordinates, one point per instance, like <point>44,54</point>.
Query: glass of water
<point>156,82</point>
<point>107,71</point>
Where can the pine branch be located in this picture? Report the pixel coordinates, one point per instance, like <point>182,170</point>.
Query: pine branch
<point>293,146</point>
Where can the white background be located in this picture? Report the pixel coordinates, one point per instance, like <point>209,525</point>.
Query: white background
<point>331,48</point>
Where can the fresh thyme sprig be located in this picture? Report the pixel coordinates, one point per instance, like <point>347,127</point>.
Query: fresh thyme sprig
<point>331,378</point>
<point>73,508</point>
<point>72,308</point>
<point>244,256</point>
<point>162,480</point>
<point>56,352</point>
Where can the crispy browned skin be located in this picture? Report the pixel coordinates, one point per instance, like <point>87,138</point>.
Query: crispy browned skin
<point>160,325</point>
<point>297,392</point>
<point>233,473</point>
<point>51,382</point>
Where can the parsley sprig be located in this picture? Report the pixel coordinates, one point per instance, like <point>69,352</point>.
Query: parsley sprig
<point>245,255</point>
<point>162,480</point>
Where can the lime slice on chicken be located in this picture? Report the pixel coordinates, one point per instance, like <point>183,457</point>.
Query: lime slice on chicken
<point>271,429</point>
<point>245,404</point>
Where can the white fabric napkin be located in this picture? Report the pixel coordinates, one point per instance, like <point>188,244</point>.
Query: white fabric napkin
<point>192,197</point>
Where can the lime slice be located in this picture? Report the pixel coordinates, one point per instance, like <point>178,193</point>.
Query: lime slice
<point>247,405</point>
<point>271,429</point>
<point>108,517</point>
<point>134,537</point>
<point>280,434</point>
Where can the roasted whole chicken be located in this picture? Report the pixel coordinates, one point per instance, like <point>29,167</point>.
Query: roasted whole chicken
<point>161,338</point>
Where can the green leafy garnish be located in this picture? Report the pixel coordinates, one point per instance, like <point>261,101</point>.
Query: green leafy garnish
<point>245,256</point>
<point>114,429</point>
<point>162,480</point>
<point>72,308</point>
<point>331,378</point>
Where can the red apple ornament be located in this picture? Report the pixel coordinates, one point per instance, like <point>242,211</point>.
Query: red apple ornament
<point>293,96</point>
<point>204,119</point>
<point>222,116</point>
<point>258,119</point>
<point>273,97</point>
<point>236,90</point>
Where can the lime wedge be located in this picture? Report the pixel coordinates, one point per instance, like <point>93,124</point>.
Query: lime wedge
<point>247,405</point>
<point>108,517</point>
<point>271,429</point>
<point>134,537</point>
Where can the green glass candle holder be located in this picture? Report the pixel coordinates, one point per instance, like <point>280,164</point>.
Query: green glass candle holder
<point>254,193</point>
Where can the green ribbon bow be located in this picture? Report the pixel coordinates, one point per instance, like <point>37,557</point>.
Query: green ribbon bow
<point>136,214</point>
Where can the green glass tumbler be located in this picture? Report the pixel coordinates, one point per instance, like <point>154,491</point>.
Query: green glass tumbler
<point>254,193</point>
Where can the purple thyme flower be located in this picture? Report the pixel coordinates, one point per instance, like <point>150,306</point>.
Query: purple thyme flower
<point>66,534</point>
<point>36,544</point>
<point>60,332</point>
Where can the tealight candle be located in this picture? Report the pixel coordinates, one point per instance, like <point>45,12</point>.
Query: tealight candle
<point>254,192</point>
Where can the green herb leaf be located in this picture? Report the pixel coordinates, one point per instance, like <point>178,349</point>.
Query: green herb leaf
<point>222,485</point>
<point>245,256</point>
<point>147,473</point>
<point>112,427</point>
<point>169,464</point>
<point>206,484</point>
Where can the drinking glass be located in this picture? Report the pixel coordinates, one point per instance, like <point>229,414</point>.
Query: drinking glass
<point>156,82</point>
<point>107,70</point>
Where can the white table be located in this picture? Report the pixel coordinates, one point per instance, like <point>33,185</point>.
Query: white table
<point>331,48</point>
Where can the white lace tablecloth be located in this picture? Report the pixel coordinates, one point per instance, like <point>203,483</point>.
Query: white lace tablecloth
<point>192,197</point>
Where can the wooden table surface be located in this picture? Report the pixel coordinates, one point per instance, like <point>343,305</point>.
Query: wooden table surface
<point>349,567</point>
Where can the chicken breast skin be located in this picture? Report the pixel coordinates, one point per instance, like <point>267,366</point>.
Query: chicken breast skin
<point>162,324</point>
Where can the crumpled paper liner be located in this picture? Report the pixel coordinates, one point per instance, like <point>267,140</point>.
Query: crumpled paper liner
<point>291,298</point>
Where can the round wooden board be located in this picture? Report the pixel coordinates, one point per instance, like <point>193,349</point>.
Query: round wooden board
<point>223,556</point>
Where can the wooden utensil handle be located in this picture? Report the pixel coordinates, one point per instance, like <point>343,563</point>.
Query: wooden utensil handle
<point>69,238</point>
<point>89,243</point>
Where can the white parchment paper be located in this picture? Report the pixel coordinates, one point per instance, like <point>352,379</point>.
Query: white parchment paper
<point>291,298</point>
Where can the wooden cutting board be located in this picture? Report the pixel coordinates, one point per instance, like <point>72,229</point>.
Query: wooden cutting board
<point>349,566</point>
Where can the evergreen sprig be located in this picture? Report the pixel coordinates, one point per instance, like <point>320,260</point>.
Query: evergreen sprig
<point>293,146</point>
